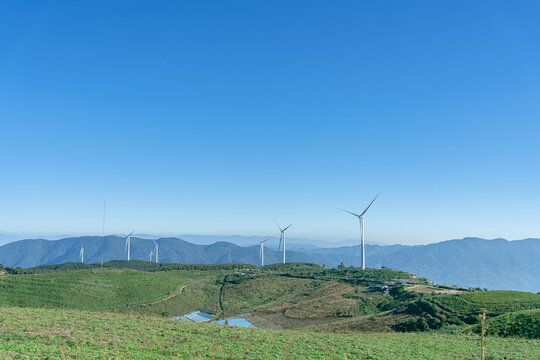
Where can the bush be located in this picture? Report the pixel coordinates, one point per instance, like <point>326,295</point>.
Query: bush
<point>521,324</point>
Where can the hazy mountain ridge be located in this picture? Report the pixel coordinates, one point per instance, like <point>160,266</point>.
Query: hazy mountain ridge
<point>30,253</point>
<point>470,262</point>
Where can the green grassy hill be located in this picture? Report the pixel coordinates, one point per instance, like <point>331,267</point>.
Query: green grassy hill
<point>294,296</point>
<point>93,289</point>
<point>27,333</point>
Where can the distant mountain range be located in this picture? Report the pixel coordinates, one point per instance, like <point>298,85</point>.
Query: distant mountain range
<point>496,264</point>
<point>470,262</point>
<point>30,253</point>
<point>292,243</point>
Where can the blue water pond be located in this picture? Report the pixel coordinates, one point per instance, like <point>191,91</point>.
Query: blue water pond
<point>199,316</point>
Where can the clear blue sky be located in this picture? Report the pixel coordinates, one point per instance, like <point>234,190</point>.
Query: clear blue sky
<point>213,117</point>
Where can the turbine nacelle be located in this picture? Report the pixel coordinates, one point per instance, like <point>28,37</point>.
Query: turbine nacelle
<point>361,216</point>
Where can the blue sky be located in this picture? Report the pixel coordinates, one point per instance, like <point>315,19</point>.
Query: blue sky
<point>213,117</point>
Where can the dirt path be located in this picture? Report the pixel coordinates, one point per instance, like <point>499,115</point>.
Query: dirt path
<point>165,298</point>
<point>168,297</point>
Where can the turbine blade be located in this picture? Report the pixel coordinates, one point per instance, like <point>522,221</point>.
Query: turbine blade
<point>347,211</point>
<point>287,227</point>
<point>372,201</point>
<point>265,240</point>
<point>280,229</point>
<point>280,239</point>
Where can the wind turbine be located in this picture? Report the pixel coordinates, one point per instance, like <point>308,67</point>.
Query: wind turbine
<point>128,243</point>
<point>151,254</point>
<point>156,248</point>
<point>361,220</point>
<point>282,237</point>
<point>81,254</point>
<point>261,251</point>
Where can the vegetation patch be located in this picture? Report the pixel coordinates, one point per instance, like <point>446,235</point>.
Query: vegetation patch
<point>262,292</point>
<point>524,324</point>
<point>495,302</point>
<point>92,289</point>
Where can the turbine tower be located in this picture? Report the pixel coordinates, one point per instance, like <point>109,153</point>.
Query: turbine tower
<point>156,248</point>
<point>261,251</point>
<point>81,254</point>
<point>361,220</point>
<point>282,238</point>
<point>128,243</point>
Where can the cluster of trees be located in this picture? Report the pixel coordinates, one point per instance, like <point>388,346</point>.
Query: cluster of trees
<point>141,265</point>
<point>9,270</point>
<point>428,315</point>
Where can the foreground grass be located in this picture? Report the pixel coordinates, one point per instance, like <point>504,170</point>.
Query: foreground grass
<point>27,333</point>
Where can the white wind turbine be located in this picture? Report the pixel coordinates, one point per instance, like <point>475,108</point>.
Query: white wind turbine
<point>361,220</point>
<point>151,254</point>
<point>282,237</point>
<point>128,243</point>
<point>156,251</point>
<point>261,251</point>
<point>81,254</point>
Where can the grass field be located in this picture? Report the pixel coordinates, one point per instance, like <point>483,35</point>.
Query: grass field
<point>27,333</point>
<point>262,292</point>
<point>93,289</point>
<point>201,294</point>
